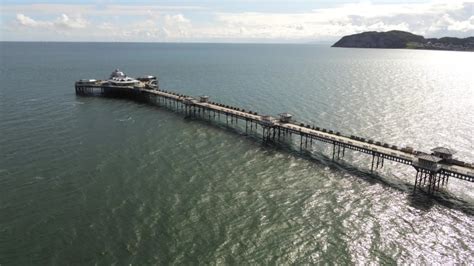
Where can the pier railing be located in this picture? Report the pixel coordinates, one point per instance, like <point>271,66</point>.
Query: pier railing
<point>431,168</point>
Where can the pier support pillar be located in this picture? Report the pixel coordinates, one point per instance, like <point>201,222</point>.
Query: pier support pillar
<point>438,181</point>
<point>373,159</point>
<point>416,179</point>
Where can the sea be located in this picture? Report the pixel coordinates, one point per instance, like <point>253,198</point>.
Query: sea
<point>100,181</point>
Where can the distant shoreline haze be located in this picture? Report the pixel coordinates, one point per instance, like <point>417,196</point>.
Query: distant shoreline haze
<point>402,39</point>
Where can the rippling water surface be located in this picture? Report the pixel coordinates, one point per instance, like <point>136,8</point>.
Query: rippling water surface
<point>92,180</point>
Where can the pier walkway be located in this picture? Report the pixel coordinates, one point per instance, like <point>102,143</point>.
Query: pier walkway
<point>432,170</point>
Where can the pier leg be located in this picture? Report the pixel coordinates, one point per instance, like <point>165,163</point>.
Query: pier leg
<point>246,125</point>
<point>301,141</point>
<point>429,184</point>
<point>333,150</point>
<point>433,180</point>
<point>439,180</point>
<point>373,158</point>
<point>416,180</point>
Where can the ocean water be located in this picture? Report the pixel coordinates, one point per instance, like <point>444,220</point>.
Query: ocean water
<point>87,180</point>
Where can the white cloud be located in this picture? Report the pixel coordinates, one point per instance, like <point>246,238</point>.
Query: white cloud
<point>107,10</point>
<point>172,23</point>
<point>65,21</point>
<point>62,22</point>
<point>446,21</point>
<point>370,10</point>
<point>27,21</point>
<point>434,19</point>
<point>176,26</point>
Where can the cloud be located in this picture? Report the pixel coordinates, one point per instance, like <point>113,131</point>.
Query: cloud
<point>62,22</point>
<point>194,23</point>
<point>428,18</point>
<point>151,28</point>
<point>74,23</point>
<point>27,21</point>
<point>176,26</point>
<point>95,10</point>
<point>451,24</point>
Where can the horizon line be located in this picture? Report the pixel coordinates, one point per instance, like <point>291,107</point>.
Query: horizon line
<point>175,42</point>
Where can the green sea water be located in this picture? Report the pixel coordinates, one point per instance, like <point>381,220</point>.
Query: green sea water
<point>86,180</point>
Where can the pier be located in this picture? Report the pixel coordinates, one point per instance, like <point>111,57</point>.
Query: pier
<point>433,170</point>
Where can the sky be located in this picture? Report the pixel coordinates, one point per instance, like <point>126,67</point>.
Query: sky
<point>278,21</point>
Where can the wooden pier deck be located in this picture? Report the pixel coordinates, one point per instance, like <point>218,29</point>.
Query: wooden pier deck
<point>435,170</point>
